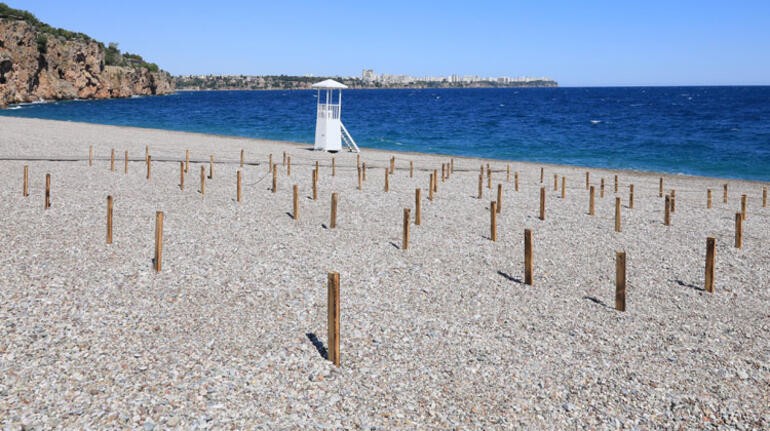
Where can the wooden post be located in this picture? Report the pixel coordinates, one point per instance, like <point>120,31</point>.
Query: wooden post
<point>112,160</point>
<point>588,180</point>
<point>149,167</point>
<point>508,174</point>
<point>711,251</point>
<point>489,178</point>
<point>270,163</point>
<point>181,175</point>
<point>25,177</point>
<point>158,241</point>
<point>47,191</point>
<point>146,151</point>
<point>601,188</point>
<point>238,185</point>
<point>316,168</point>
<point>591,193</point>
<point>555,182</point>
<point>430,187</point>
<point>724,196</point>
<point>241,157</point>
<point>563,187</point>
<point>542,203</point>
<point>211,167</point>
<point>744,201</point>
<point>387,180</point>
<point>528,262</point>
<point>667,214</point>
<point>417,207</point>
<point>288,166</point>
<point>499,198</point>
<point>493,220</point>
<point>617,215</point>
<point>186,161</point>
<point>334,166</point>
<point>392,164</point>
<point>738,230</point>
<point>435,180</point>
<point>295,202</point>
<point>333,318</point>
<point>708,198</point>
<point>125,163</point>
<point>315,185</point>
<point>109,219</point>
<point>283,163</point>
<point>90,155</point>
<point>673,201</point>
<point>631,196</point>
<point>358,159</point>
<point>443,172</point>
<point>452,165</point>
<point>764,197</point>
<point>616,183</point>
<point>275,179</point>
<point>620,280</point>
<point>363,170</point>
<point>516,181</point>
<point>542,173</point>
<point>660,188</point>
<point>481,186</point>
<point>411,169</point>
<point>203,180</point>
<point>333,220</point>
<point>359,178</point>
<point>405,240</point>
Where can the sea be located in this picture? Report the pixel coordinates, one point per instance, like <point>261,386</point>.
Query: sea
<point>709,131</point>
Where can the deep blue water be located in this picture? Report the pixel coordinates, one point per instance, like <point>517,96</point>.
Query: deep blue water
<point>714,131</point>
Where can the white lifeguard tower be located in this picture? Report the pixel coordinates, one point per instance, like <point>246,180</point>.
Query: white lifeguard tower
<point>330,133</point>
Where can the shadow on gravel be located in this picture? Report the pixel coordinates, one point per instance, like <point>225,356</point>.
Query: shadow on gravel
<point>318,345</point>
<point>596,300</point>
<point>509,277</point>
<point>691,286</point>
<point>395,245</point>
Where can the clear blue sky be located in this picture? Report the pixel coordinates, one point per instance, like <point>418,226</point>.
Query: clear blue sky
<point>578,43</point>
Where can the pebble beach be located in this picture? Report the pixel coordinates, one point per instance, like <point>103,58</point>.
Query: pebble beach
<point>231,333</point>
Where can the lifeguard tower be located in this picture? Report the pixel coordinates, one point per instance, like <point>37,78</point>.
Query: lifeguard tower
<point>330,133</point>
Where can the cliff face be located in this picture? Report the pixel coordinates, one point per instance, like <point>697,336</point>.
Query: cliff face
<point>35,65</point>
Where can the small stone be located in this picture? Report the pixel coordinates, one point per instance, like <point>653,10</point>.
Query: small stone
<point>568,407</point>
<point>742,375</point>
<point>316,377</point>
<point>149,425</point>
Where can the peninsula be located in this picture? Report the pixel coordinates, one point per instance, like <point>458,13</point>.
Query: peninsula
<point>40,62</point>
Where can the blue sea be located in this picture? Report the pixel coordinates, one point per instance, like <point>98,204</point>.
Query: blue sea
<point>712,131</point>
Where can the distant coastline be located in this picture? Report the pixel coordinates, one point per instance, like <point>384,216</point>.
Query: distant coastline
<point>287,82</point>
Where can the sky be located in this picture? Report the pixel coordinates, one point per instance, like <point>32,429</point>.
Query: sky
<point>577,43</point>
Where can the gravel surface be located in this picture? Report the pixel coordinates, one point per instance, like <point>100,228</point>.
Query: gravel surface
<point>231,333</point>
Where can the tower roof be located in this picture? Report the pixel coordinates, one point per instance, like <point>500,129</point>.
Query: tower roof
<point>329,83</point>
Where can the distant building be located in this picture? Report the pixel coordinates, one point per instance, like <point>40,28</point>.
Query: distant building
<point>368,75</point>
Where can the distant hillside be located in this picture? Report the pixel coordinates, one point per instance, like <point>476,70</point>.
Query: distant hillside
<point>273,82</point>
<point>40,62</point>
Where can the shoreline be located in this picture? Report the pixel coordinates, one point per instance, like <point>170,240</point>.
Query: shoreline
<point>410,153</point>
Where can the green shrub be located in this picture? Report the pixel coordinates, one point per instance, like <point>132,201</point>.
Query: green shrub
<point>42,43</point>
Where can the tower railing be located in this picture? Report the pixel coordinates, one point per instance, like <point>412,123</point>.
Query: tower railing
<point>329,111</point>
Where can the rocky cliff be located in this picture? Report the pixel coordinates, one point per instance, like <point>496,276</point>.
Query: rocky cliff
<point>36,64</point>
